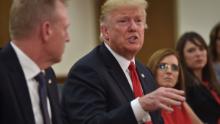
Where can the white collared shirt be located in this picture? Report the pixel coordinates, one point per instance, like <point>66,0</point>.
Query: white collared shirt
<point>30,70</point>
<point>140,115</point>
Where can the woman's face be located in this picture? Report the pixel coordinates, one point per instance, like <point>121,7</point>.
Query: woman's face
<point>195,56</point>
<point>167,72</point>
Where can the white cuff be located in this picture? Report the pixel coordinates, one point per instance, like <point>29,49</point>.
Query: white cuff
<point>140,115</point>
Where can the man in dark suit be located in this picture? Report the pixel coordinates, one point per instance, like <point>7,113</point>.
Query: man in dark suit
<point>101,87</point>
<point>28,90</point>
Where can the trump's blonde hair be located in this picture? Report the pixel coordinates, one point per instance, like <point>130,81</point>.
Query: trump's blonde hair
<point>111,5</point>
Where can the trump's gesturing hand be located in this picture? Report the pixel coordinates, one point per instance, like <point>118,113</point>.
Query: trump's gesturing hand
<point>162,98</point>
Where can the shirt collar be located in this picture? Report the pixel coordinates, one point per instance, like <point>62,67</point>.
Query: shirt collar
<point>29,67</point>
<point>123,62</point>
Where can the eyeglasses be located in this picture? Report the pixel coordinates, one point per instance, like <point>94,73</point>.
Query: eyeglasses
<point>164,67</point>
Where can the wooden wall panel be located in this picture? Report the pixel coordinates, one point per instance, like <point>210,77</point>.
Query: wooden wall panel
<point>4,19</point>
<point>161,30</point>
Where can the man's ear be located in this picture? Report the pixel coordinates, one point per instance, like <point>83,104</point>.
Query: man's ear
<point>104,32</point>
<point>46,30</point>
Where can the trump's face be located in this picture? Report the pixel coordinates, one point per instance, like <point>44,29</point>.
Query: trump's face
<point>123,30</point>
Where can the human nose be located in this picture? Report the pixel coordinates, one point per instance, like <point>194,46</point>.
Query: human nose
<point>133,25</point>
<point>67,37</point>
<point>199,53</point>
<point>169,69</point>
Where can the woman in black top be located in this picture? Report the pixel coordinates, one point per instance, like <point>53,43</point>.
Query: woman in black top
<point>202,89</point>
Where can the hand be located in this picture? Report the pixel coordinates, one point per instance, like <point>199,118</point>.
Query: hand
<point>162,98</point>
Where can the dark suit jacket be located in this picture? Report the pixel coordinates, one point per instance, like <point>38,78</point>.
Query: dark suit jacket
<point>203,103</point>
<point>15,104</point>
<point>97,91</point>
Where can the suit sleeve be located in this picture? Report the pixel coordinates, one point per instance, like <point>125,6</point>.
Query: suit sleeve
<point>85,100</point>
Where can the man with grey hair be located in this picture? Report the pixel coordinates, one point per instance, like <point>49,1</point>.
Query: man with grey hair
<point>108,86</point>
<point>28,88</point>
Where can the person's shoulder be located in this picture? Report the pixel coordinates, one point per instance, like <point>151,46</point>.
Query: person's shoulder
<point>144,69</point>
<point>91,58</point>
<point>142,66</point>
<point>2,58</point>
<point>3,67</point>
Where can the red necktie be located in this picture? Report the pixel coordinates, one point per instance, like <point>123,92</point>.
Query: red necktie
<point>136,83</point>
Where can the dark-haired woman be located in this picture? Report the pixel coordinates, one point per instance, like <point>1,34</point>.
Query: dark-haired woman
<point>202,89</point>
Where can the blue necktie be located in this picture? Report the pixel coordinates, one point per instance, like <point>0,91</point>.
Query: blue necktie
<point>42,89</point>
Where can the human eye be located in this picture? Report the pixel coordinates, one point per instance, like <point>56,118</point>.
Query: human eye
<point>163,66</point>
<point>202,48</point>
<point>139,21</point>
<point>123,20</point>
<point>191,50</point>
<point>174,67</point>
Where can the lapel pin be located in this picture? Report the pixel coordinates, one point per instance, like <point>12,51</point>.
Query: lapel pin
<point>142,75</point>
<point>49,81</point>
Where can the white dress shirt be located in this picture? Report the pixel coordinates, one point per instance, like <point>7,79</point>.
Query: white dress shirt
<point>140,115</point>
<point>30,70</point>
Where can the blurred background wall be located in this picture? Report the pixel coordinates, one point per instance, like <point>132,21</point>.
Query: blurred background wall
<point>167,20</point>
<point>197,15</point>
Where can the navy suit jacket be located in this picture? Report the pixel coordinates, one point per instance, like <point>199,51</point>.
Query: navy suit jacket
<point>97,91</point>
<point>15,104</point>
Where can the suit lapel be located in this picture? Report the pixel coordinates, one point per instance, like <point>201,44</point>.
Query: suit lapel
<point>145,79</point>
<point>116,72</point>
<point>122,82</point>
<point>19,84</point>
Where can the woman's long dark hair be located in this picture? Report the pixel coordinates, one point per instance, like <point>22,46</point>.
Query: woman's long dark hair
<point>213,38</point>
<point>208,73</point>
